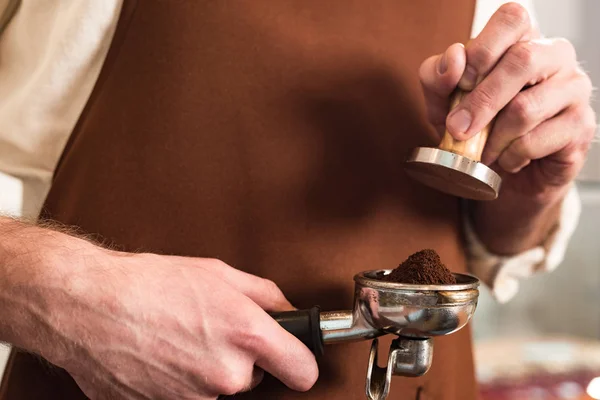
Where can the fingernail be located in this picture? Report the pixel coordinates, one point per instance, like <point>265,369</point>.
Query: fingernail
<point>459,121</point>
<point>443,64</point>
<point>469,78</point>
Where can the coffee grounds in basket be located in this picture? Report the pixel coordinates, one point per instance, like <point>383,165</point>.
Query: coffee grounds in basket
<point>422,268</point>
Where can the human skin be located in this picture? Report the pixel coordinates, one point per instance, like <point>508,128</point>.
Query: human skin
<point>149,326</point>
<point>138,326</point>
<point>543,129</point>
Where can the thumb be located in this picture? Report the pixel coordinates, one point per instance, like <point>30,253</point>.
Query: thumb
<point>439,76</point>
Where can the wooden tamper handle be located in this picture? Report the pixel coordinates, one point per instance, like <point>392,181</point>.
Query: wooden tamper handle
<point>471,148</point>
<point>455,167</point>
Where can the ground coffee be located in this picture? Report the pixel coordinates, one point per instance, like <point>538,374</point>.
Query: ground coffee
<point>424,268</point>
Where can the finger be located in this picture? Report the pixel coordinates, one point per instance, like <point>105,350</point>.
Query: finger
<point>263,292</point>
<point>533,106</point>
<point>509,25</point>
<point>439,76</point>
<point>524,63</point>
<point>283,355</point>
<point>257,376</point>
<point>237,375</point>
<point>560,143</point>
<point>89,390</point>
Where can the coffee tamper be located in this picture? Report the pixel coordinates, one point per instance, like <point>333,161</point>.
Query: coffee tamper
<point>455,167</point>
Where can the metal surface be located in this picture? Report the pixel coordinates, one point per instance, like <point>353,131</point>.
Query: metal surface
<point>385,307</point>
<point>413,312</point>
<point>453,174</point>
<point>408,356</point>
<point>419,310</point>
<point>345,326</point>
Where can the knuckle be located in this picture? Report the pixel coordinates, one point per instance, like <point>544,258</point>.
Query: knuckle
<point>523,108</point>
<point>514,15</point>
<point>568,48</point>
<point>482,98</point>
<point>481,57</point>
<point>248,335</point>
<point>578,160</point>
<point>231,378</point>
<point>232,383</point>
<point>217,264</point>
<point>575,156</point>
<point>503,163</point>
<point>512,160</point>
<point>252,339</point>
<point>272,290</point>
<point>522,148</point>
<point>521,56</point>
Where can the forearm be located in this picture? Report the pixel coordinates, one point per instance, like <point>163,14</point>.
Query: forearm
<point>516,223</point>
<point>30,280</point>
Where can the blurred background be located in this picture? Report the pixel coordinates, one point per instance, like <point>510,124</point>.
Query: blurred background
<point>544,344</point>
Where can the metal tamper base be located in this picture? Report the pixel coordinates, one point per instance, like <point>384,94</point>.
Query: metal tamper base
<point>455,167</point>
<point>452,173</point>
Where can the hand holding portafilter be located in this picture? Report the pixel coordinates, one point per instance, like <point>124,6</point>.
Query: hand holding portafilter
<point>455,166</point>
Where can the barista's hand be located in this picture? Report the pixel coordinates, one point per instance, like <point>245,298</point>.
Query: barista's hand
<point>147,326</point>
<point>544,126</point>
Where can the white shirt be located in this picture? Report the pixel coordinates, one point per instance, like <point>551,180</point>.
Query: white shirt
<point>51,53</point>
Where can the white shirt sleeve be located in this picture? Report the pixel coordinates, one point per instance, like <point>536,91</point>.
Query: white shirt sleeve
<point>48,69</point>
<point>502,274</point>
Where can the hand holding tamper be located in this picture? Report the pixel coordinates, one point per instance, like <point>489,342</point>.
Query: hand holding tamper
<point>455,167</point>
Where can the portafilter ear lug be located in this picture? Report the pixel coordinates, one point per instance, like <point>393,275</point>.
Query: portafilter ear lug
<point>378,379</point>
<point>412,356</point>
<point>408,356</point>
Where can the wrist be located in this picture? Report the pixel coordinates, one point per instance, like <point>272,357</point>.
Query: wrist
<point>515,222</point>
<point>35,281</point>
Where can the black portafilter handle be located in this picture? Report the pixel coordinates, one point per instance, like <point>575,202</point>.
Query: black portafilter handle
<point>305,325</point>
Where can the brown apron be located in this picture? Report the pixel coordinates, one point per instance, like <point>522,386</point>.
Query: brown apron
<point>268,134</point>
